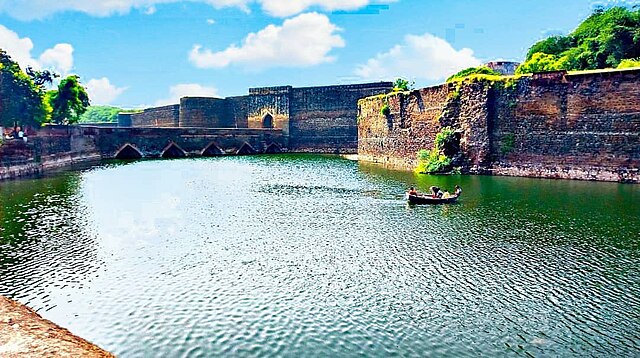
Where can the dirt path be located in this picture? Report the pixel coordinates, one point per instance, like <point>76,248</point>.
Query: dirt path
<point>23,333</point>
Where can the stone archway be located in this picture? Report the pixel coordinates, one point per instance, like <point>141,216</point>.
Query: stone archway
<point>267,121</point>
<point>172,150</point>
<point>128,152</point>
<point>246,149</point>
<point>273,149</point>
<point>212,150</point>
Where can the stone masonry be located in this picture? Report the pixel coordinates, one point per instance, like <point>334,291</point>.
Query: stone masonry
<point>552,125</point>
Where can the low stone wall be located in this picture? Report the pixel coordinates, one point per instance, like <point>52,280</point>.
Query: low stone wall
<point>48,150</point>
<point>24,333</point>
<point>553,125</point>
<point>60,147</point>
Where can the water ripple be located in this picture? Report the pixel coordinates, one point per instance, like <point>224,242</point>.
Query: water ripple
<point>311,255</point>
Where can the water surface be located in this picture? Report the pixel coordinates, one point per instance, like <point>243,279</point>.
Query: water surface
<point>295,255</point>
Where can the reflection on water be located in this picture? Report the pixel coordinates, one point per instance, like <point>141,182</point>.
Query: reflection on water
<point>298,255</point>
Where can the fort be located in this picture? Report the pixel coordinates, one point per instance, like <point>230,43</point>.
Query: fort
<point>311,119</point>
<point>583,125</point>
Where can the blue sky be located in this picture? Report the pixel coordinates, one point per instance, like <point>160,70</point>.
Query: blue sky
<point>136,53</point>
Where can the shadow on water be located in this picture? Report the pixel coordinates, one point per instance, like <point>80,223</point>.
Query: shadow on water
<point>44,237</point>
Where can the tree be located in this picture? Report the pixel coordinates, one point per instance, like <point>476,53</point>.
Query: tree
<point>21,99</point>
<point>69,102</point>
<point>601,41</point>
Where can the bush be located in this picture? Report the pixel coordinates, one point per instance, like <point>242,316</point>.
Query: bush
<point>438,159</point>
<point>401,84</point>
<point>630,63</point>
<point>432,161</point>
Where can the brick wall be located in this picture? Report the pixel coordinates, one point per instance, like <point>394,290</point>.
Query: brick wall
<point>555,125</point>
<point>166,116</point>
<point>204,112</point>
<point>324,119</point>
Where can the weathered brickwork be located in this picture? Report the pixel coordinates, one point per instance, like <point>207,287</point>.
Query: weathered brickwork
<point>554,125</point>
<point>203,112</point>
<point>167,116</point>
<point>269,108</point>
<point>324,119</point>
<point>585,126</point>
<point>314,119</point>
<point>59,147</point>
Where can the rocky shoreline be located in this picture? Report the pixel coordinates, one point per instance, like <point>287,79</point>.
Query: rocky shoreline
<point>24,333</point>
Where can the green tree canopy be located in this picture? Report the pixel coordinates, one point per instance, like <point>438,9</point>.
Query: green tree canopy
<point>603,40</point>
<point>69,102</point>
<point>21,99</point>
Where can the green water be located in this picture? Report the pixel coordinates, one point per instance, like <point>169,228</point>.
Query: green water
<point>297,255</point>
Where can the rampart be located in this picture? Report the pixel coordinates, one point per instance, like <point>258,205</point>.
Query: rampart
<point>312,119</point>
<point>166,116</point>
<point>551,125</point>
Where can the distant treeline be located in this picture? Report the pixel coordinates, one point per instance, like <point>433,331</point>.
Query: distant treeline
<point>101,114</point>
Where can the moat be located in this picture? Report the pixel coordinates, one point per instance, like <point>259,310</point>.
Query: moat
<point>292,255</point>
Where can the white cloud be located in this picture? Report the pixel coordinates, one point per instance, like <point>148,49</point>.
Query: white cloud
<point>38,9</point>
<point>211,21</point>
<point>284,8</point>
<point>187,90</point>
<point>305,40</point>
<point>59,58</point>
<point>102,92</point>
<point>424,57</point>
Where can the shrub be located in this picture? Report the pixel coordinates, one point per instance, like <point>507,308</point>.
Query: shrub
<point>438,159</point>
<point>401,84</point>
<point>629,63</point>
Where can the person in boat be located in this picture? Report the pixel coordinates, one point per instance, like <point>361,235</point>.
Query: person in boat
<point>458,191</point>
<point>435,191</point>
<point>446,195</point>
<point>412,191</point>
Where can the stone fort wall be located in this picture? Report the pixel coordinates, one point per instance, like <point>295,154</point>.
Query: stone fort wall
<point>313,119</point>
<point>553,125</point>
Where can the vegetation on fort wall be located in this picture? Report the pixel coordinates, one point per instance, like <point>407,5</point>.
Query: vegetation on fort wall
<point>401,85</point>
<point>385,110</point>
<point>630,63</point>
<point>438,159</point>
<point>604,40</point>
<point>482,70</point>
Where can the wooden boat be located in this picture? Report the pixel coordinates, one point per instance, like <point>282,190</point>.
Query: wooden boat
<point>428,199</point>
